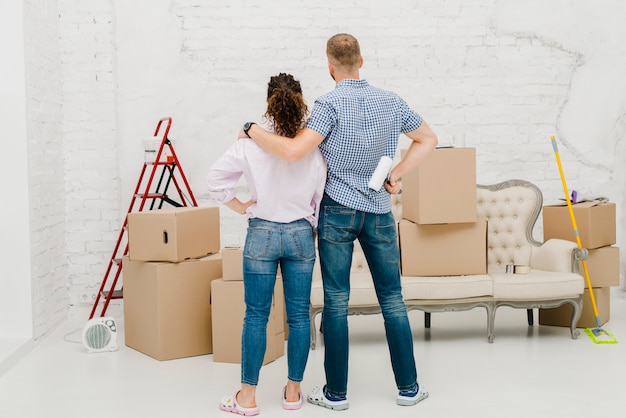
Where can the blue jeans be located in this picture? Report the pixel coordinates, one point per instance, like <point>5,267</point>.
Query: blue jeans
<point>339,226</point>
<point>269,244</point>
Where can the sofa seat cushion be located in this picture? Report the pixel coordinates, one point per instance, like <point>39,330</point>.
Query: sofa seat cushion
<point>538,284</point>
<point>361,290</point>
<point>446,287</point>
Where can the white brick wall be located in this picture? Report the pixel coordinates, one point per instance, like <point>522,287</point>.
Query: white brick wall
<point>479,76</point>
<point>90,166</point>
<point>46,179</point>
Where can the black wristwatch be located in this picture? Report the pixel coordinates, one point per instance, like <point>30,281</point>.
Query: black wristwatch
<point>246,128</point>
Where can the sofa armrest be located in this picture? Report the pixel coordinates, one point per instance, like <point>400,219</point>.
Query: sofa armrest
<point>557,255</point>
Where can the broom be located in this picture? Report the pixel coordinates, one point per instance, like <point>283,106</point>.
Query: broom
<point>598,335</point>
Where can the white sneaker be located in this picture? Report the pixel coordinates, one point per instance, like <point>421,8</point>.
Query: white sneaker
<point>406,399</point>
<point>317,397</point>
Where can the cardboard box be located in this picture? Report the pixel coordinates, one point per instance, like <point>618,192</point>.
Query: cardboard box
<point>442,189</point>
<point>602,266</point>
<point>167,311</point>
<point>595,222</point>
<point>173,234</point>
<point>562,316</point>
<point>232,263</point>
<point>228,312</point>
<point>443,250</point>
<point>232,270</point>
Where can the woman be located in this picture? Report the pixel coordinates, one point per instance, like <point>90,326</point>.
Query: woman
<point>282,217</point>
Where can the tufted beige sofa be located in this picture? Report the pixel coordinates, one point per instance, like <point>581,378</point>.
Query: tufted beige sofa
<point>511,209</point>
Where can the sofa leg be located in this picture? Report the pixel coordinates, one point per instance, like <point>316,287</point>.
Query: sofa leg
<point>426,319</point>
<point>312,316</point>
<point>576,313</point>
<point>530,315</point>
<point>491,320</point>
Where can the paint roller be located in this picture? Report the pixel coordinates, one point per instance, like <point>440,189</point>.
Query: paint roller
<point>381,173</point>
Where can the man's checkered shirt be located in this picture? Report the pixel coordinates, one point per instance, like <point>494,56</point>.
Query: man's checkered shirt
<point>360,124</point>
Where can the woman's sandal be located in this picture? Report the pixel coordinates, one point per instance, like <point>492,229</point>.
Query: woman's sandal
<point>290,406</point>
<point>229,404</point>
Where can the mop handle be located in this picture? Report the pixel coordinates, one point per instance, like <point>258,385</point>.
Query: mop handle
<point>571,214</point>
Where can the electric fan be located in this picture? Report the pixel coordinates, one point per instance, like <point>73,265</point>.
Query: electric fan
<point>100,334</point>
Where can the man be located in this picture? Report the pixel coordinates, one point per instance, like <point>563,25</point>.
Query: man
<point>354,126</point>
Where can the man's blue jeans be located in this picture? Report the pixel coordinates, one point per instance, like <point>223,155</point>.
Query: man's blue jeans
<point>269,244</point>
<point>339,226</point>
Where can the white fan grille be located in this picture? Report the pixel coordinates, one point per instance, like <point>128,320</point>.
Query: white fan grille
<point>98,336</point>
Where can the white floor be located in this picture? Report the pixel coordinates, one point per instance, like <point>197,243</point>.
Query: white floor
<point>534,371</point>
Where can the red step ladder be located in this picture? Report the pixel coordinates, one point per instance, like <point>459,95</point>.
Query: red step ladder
<point>154,190</point>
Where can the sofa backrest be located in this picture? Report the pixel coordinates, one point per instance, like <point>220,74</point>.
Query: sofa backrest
<point>511,209</point>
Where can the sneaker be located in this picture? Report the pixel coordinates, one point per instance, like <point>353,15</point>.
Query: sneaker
<point>412,397</point>
<point>318,396</point>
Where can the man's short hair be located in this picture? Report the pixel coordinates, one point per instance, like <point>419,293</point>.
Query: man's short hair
<point>343,51</point>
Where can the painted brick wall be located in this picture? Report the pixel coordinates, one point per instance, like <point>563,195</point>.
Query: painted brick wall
<point>50,290</point>
<point>89,166</point>
<point>476,84</point>
<point>479,80</point>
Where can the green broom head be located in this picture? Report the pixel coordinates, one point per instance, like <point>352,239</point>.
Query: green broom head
<point>600,336</point>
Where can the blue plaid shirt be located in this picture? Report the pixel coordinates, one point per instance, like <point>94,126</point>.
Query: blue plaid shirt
<point>360,124</point>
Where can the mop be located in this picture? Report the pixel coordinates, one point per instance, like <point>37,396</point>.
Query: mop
<point>597,335</point>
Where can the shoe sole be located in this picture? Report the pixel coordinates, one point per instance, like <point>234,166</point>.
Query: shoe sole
<point>410,402</point>
<point>239,411</point>
<point>339,407</point>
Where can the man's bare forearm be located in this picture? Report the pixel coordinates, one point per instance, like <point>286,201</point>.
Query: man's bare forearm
<point>290,149</point>
<point>424,142</point>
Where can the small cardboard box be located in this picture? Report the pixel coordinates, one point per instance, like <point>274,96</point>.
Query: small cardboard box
<point>444,249</point>
<point>167,311</point>
<point>602,266</point>
<point>232,259</point>
<point>562,316</point>
<point>442,189</point>
<point>595,221</point>
<point>228,312</point>
<point>173,234</point>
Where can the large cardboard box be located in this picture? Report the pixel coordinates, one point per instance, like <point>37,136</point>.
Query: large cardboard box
<point>173,234</point>
<point>167,311</point>
<point>562,315</point>
<point>595,221</point>
<point>228,312</point>
<point>232,263</point>
<point>442,189</point>
<point>444,249</point>
<point>602,266</point>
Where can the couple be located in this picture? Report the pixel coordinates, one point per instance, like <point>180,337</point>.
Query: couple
<point>300,172</point>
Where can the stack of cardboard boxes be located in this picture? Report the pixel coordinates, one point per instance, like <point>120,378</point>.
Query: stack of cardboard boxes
<point>229,309</point>
<point>183,297</point>
<point>173,256</point>
<point>595,221</point>
<point>439,232</point>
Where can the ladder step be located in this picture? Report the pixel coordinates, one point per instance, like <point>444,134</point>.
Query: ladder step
<point>172,162</point>
<point>117,294</point>
<point>150,195</point>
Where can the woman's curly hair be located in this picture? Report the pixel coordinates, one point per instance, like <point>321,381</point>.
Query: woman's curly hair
<point>286,108</point>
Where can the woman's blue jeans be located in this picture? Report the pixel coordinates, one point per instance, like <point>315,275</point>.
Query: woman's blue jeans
<point>339,226</point>
<point>269,244</point>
